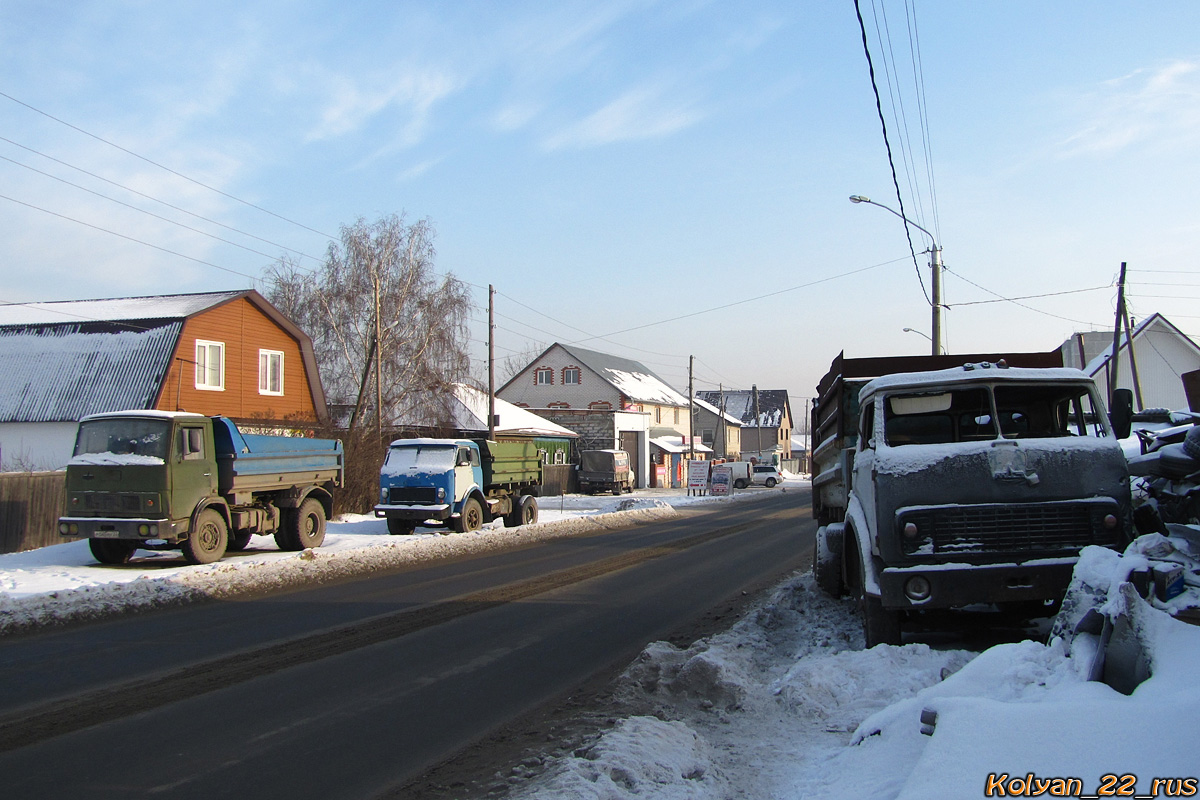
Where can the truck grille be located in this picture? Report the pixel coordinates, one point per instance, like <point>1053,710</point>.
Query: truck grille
<point>1039,527</point>
<point>404,495</point>
<point>107,501</point>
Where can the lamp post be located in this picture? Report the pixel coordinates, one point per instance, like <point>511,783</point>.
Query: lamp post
<point>935,265</point>
<point>917,332</point>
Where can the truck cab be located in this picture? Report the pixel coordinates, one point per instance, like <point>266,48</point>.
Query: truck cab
<point>461,483</point>
<point>977,484</point>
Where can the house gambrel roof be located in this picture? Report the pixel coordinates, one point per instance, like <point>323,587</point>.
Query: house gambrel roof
<point>630,378</point>
<point>739,403</point>
<point>61,361</point>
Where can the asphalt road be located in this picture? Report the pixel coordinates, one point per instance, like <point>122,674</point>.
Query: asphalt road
<point>354,689</point>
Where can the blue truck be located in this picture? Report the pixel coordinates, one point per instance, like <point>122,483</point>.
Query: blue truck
<point>157,480</point>
<point>458,483</point>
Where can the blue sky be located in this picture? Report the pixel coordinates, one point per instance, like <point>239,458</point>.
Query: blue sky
<point>611,166</point>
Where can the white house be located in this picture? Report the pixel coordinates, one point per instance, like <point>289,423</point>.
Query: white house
<point>1161,354</point>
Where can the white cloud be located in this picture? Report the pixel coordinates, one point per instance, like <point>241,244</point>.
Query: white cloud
<point>1158,107</point>
<point>353,104</point>
<point>641,113</point>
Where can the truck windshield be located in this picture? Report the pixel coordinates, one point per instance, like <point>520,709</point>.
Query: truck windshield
<point>1025,411</point>
<point>123,437</point>
<point>425,457</point>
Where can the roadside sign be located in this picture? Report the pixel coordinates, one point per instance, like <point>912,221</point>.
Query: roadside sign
<point>697,476</point>
<point>722,478</point>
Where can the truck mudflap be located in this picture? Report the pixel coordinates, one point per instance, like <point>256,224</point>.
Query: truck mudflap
<point>111,528</point>
<point>951,585</point>
<point>414,512</point>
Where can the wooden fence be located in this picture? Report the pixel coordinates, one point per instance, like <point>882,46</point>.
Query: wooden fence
<point>558,479</point>
<point>30,505</point>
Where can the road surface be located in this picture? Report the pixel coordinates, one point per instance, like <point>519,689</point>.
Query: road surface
<point>356,689</point>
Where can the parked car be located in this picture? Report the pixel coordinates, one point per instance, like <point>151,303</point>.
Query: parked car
<point>766,475</point>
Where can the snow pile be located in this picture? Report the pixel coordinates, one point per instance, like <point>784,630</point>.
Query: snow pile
<point>787,704</point>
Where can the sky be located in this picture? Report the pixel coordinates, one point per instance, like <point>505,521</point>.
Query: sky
<point>656,180</point>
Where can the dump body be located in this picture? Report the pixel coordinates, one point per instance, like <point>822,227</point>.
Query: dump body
<point>144,477</point>
<point>435,479</point>
<point>604,470</point>
<point>976,484</point>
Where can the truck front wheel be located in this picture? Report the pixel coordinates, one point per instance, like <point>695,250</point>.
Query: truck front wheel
<point>112,551</point>
<point>470,518</point>
<point>303,527</point>
<point>208,538</point>
<point>827,562</point>
<point>880,625</point>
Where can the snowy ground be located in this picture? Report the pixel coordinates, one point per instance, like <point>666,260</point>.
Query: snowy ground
<point>787,705</point>
<point>64,582</point>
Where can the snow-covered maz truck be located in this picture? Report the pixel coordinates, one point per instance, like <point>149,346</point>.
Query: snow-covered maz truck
<point>957,486</point>
<point>158,480</point>
<point>458,483</point>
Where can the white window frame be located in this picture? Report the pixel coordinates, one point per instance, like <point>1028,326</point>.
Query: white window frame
<point>204,350</point>
<point>265,357</point>
<point>547,372</point>
<point>571,372</point>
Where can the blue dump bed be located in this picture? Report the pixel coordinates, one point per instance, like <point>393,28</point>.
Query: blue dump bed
<point>253,461</point>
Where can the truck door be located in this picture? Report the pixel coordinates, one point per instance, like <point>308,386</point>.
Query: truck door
<point>193,467</point>
<point>862,473</point>
<point>466,469</point>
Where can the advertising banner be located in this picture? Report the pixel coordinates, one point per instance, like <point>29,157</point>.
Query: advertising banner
<point>722,479</point>
<point>697,476</point>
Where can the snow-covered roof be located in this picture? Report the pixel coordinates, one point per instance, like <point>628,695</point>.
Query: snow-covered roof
<point>739,403</point>
<point>172,306</point>
<point>1096,364</point>
<point>676,444</point>
<point>978,373</point>
<point>63,372</point>
<point>710,408</point>
<point>630,378</point>
<point>470,412</point>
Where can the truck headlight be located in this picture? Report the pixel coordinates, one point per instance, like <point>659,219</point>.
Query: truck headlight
<point>917,589</point>
<point>383,495</point>
<point>441,495</point>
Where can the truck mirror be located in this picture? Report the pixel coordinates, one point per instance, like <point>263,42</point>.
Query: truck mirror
<point>1121,412</point>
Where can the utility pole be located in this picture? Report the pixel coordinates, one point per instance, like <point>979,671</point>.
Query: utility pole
<point>1115,361</point>
<point>691,409</point>
<point>491,362</point>
<point>935,265</point>
<point>757,422</point>
<point>378,366</point>
<point>721,420</point>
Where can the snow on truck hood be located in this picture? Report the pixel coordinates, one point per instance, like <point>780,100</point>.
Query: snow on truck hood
<point>978,373</point>
<point>913,458</point>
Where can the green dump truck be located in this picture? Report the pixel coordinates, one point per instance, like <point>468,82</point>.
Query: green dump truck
<point>458,483</point>
<point>159,480</point>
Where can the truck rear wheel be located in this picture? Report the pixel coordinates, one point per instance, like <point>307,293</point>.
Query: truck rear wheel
<point>526,513</point>
<point>208,538</point>
<point>303,527</point>
<point>470,518</point>
<point>827,562</point>
<point>112,551</point>
<point>400,527</point>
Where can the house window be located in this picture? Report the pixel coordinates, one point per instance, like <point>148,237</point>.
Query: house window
<point>270,372</point>
<point>657,414</point>
<point>571,376</point>
<point>677,416</point>
<point>600,405</point>
<point>543,376</point>
<point>560,457</point>
<point>210,365</point>
<point>558,405</point>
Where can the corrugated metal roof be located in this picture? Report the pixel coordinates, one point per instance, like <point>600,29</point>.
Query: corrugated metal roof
<point>170,306</point>
<point>60,373</point>
<point>740,403</point>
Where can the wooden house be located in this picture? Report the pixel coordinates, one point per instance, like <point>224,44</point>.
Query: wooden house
<point>228,353</point>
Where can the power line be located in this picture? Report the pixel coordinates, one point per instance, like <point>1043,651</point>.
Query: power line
<point>1015,302</point>
<point>164,167</point>
<point>142,194</point>
<point>139,210</point>
<point>128,238</point>
<point>1028,297</point>
<point>887,144</point>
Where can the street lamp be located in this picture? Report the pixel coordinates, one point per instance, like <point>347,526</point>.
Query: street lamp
<point>917,332</point>
<point>935,265</point>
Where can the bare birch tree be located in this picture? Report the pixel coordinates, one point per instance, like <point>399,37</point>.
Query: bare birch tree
<point>389,331</point>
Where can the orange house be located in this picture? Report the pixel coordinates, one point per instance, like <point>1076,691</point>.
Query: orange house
<point>227,353</point>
